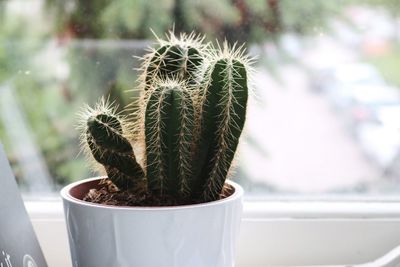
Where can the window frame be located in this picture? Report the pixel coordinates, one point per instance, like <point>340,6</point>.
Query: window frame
<point>273,233</point>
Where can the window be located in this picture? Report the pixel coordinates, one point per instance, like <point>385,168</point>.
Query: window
<point>322,121</point>
<point>322,128</point>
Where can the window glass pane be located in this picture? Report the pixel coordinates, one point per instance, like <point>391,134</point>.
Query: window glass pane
<point>323,119</point>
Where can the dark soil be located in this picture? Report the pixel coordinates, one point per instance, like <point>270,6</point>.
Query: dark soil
<point>108,194</point>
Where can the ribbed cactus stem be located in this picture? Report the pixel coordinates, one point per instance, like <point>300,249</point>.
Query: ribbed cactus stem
<point>173,62</point>
<point>156,114</point>
<point>181,144</point>
<point>191,65</point>
<point>169,126</point>
<point>104,136</point>
<point>179,60</point>
<point>223,116</point>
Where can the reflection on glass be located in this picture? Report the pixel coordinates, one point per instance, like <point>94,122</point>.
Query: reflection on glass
<point>323,119</point>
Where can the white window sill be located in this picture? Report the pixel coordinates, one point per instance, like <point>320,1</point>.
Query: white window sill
<point>284,233</point>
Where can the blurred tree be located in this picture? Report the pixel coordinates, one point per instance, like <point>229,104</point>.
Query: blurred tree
<point>179,17</point>
<point>268,19</point>
<point>12,56</point>
<point>28,69</point>
<point>392,7</point>
<point>133,19</point>
<point>126,19</point>
<point>79,18</point>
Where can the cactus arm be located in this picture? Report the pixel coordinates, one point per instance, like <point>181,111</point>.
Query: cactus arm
<point>109,147</point>
<point>102,126</point>
<point>173,61</point>
<point>192,64</point>
<point>180,134</point>
<point>164,63</point>
<point>154,64</point>
<point>224,113</point>
<point>156,117</point>
<point>207,126</point>
<point>169,132</point>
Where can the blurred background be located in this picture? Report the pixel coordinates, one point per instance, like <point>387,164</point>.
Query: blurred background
<point>324,121</point>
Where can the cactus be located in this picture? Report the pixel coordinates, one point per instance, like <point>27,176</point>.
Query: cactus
<point>105,138</point>
<point>175,58</point>
<point>192,112</point>
<point>223,116</point>
<point>173,61</point>
<point>180,59</point>
<point>169,132</point>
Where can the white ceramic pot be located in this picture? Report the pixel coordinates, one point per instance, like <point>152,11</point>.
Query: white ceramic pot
<point>201,235</point>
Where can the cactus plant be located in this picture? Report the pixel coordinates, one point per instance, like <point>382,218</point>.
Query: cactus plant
<point>192,112</point>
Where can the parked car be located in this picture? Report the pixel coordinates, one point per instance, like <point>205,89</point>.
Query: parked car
<point>392,171</point>
<point>370,103</point>
<point>380,138</point>
<point>347,80</point>
<point>339,77</point>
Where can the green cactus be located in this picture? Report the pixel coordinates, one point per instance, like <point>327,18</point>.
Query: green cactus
<point>175,59</point>
<point>105,139</point>
<point>222,120</point>
<point>180,59</point>
<point>191,116</point>
<point>169,128</point>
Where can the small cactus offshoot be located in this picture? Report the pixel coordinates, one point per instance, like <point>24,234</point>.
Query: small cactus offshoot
<point>106,140</point>
<point>191,114</point>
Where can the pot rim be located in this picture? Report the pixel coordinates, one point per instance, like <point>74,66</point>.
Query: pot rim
<point>65,194</point>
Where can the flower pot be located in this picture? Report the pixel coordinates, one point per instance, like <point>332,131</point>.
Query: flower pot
<point>200,235</point>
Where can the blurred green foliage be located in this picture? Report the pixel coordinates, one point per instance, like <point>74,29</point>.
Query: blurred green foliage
<point>388,65</point>
<point>105,33</point>
<point>49,115</point>
<point>52,117</point>
<point>392,6</point>
<point>235,20</point>
<point>103,67</point>
<point>14,52</point>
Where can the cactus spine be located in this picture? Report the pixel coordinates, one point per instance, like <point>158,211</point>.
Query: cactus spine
<point>192,112</point>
